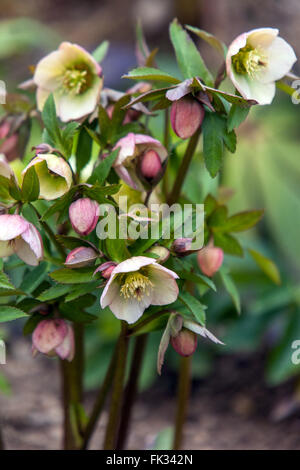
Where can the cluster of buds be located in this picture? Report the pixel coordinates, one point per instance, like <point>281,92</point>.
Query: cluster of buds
<point>54,337</point>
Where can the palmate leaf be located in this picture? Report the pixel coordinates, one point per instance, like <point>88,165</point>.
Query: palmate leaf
<point>8,313</point>
<point>151,74</point>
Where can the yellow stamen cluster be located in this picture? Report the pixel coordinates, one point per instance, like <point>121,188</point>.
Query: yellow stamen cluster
<point>75,80</point>
<point>249,60</point>
<point>135,285</point>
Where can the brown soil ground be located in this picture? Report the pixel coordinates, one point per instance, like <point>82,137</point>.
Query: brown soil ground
<point>229,410</point>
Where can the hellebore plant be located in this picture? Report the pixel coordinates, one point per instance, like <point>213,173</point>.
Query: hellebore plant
<point>61,211</point>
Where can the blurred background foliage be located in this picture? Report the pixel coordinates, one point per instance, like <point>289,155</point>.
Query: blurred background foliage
<point>264,173</point>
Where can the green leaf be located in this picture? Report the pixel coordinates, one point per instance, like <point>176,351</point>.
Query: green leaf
<point>51,122</point>
<point>231,289</point>
<point>188,57</point>
<point>151,74</point>
<point>104,126</point>
<point>210,39</point>
<point>30,186</point>
<point>116,249</point>
<point>242,221</point>
<point>213,147</point>
<point>73,242</point>
<point>73,276</point>
<point>101,172</point>
<point>236,116</point>
<point>194,306</point>
<point>68,134</point>
<point>34,278</point>
<point>4,189</point>
<point>228,243</point>
<point>267,266</point>
<point>230,140</point>
<point>8,313</point>
<point>80,290</point>
<point>101,51</point>
<point>5,282</point>
<point>53,293</point>
<point>83,150</point>
<point>14,189</point>
<point>61,205</point>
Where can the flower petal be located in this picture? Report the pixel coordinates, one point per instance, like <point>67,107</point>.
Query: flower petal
<point>165,290</point>
<point>6,249</point>
<point>12,226</point>
<point>66,349</point>
<point>200,330</point>
<point>34,243</point>
<point>281,58</point>
<point>129,310</point>
<point>49,334</point>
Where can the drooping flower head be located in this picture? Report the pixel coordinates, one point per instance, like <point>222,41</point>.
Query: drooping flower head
<point>73,76</point>
<point>256,60</point>
<point>140,161</point>
<point>80,257</point>
<point>54,337</point>
<point>210,259</point>
<point>54,173</point>
<point>20,237</point>
<point>137,283</point>
<point>84,215</point>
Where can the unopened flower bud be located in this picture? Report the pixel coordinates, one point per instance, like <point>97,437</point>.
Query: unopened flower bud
<point>210,259</point>
<point>150,165</point>
<point>43,148</point>
<point>84,215</point>
<point>186,117</point>
<point>80,257</point>
<point>185,343</point>
<point>182,246</point>
<point>161,251</point>
<point>106,269</point>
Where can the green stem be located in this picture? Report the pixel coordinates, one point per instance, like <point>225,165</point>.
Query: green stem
<point>72,391</point>
<point>100,402</point>
<point>182,400</point>
<point>51,234</point>
<point>117,392</point>
<point>181,174</point>
<point>131,390</point>
<point>141,324</point>
<point>2,447</point>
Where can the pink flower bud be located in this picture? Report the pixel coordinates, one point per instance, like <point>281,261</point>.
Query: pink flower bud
<point>185,343</point>
<point>210,259</point>
<point>182,246</point>
<point>106,269</point>
<point>80,257</point>
<point>4,129</point>
<point>186,117</point>
<point>43,148</point>
<point>66,349</point>
<point>84,215</point>
<point>150,165</point>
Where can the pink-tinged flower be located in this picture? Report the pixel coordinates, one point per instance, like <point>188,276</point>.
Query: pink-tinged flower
<point>182,246</point>
<point>256,60</point>
<point>73,76</point>
<point>54,173</point>
<point>20,237</point>
<point>210,259</point>
<point>106,269</point>
<point>54,336</point>
<point>137,283</point>
<point>185,343</point>
<point>80,257</point>
<point>5,169</point>
<point>186,116</point>
<point>140,153</point>
<point>84,215</point>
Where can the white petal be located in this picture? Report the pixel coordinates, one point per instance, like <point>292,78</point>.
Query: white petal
<point>281,58</point>
<point>49,71</point>
<point>127,148</point>
<point>70,106</point>
<point>200,330</point>
<point>263,93</point>
<point>133,264</point>
<point>124,174</point>
<point>262,37</point>
<point>165,290</point>
<point>11,226</point>
<point>129,310</point>
<point>111,290</point>
<point>41,97</point>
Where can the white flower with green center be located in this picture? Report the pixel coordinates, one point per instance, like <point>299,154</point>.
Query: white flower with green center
<point>54,174</point>
<point>137,283</point>
<point>74,78</point>
<point>256,60</point>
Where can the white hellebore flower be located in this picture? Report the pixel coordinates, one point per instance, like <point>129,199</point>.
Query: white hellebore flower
<point>19,236</point>
<point>137,283</point>
<point>73,76</point>
<point>255,60</point>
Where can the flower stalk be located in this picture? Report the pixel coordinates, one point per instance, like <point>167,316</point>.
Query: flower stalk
<point>184,384</point>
